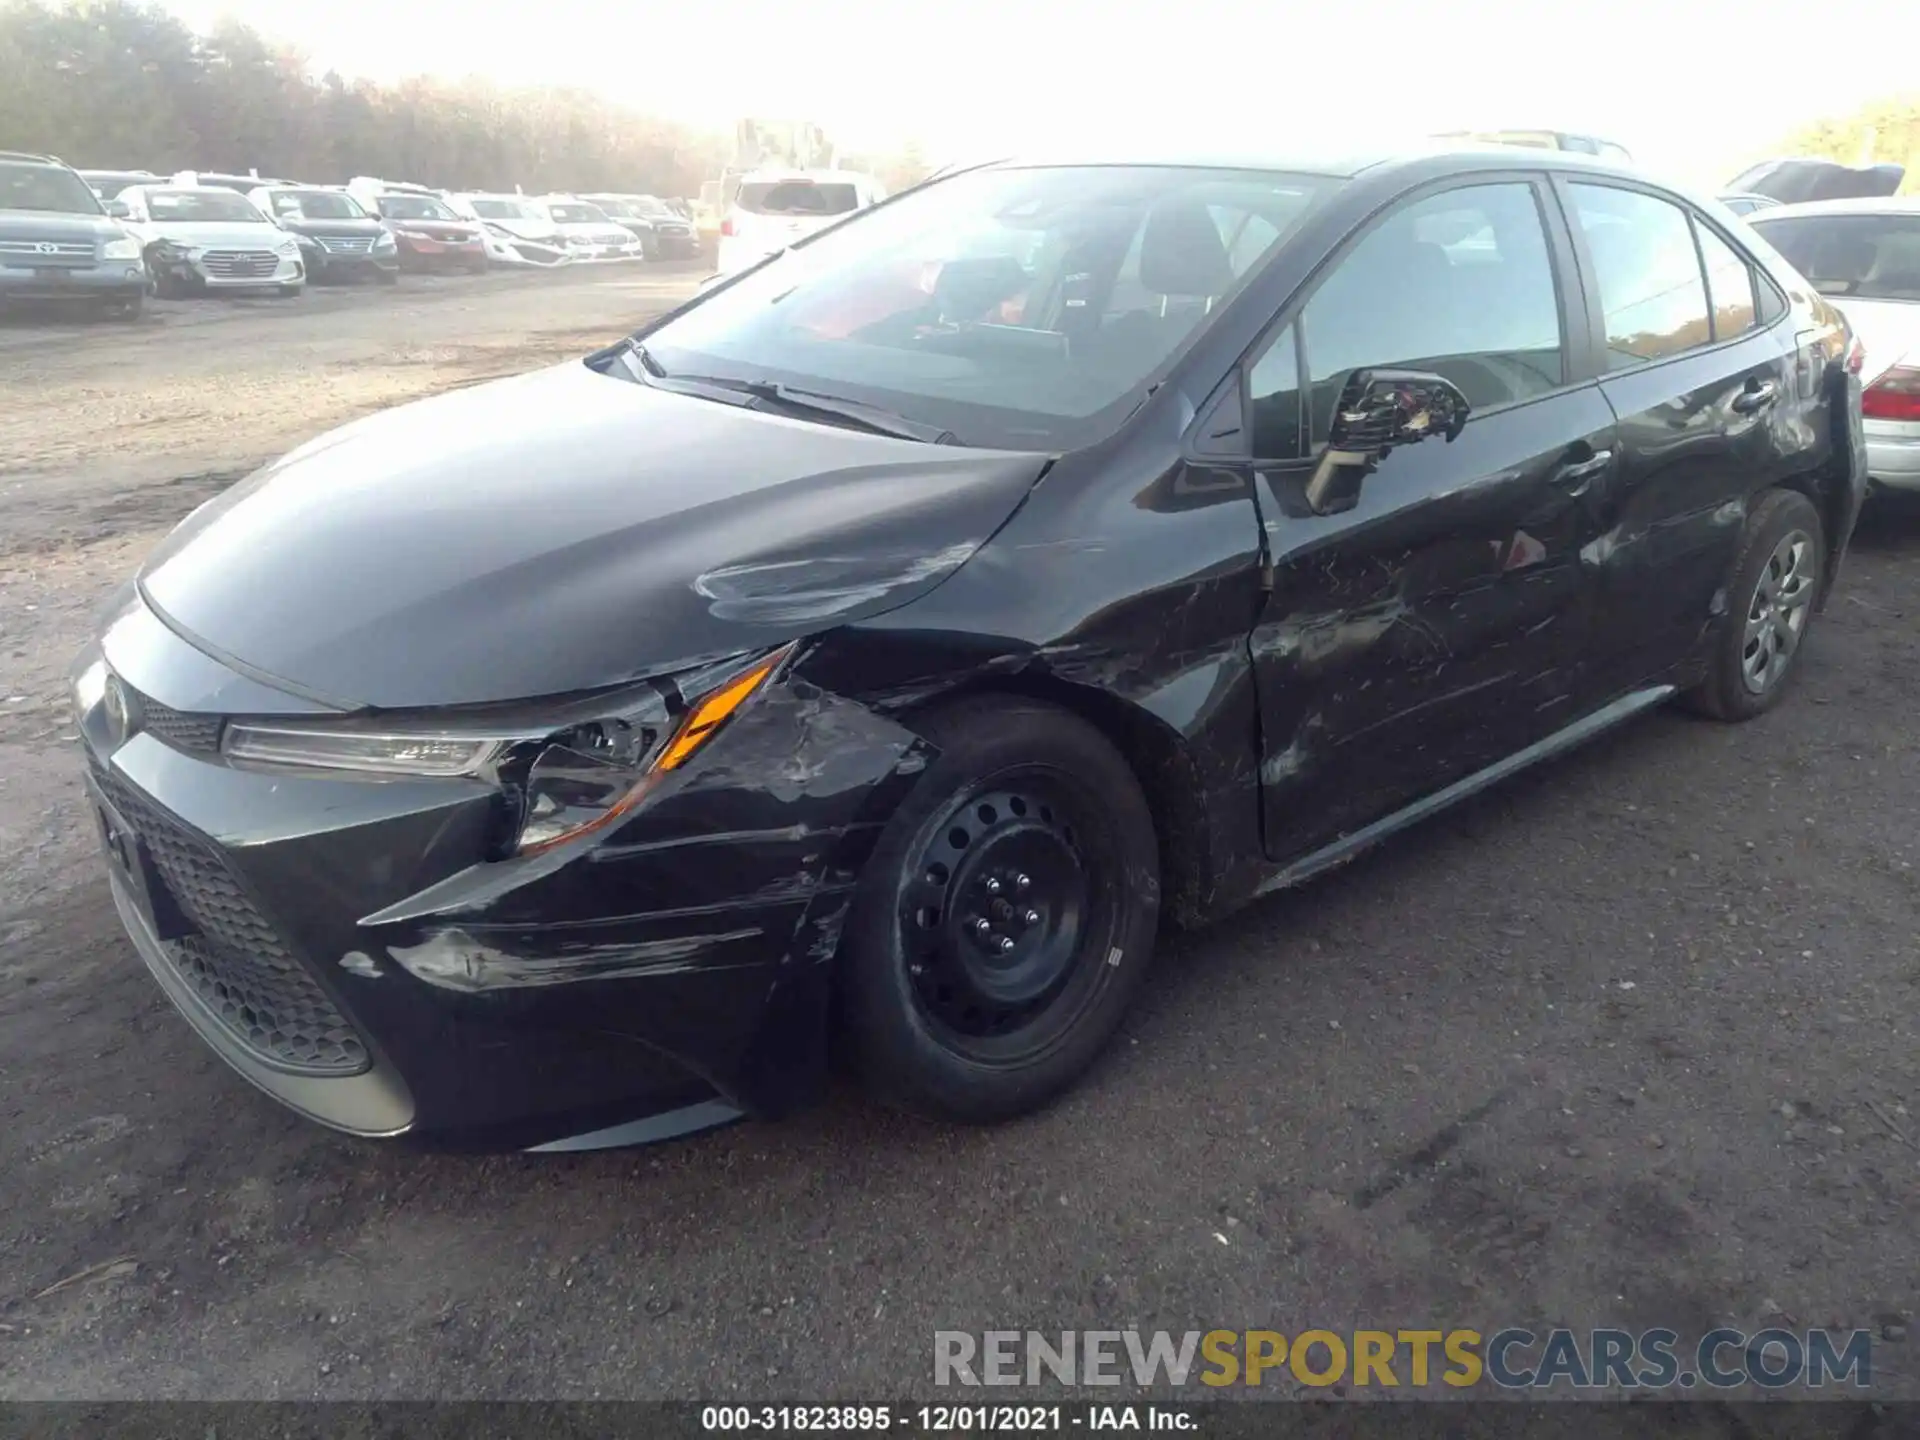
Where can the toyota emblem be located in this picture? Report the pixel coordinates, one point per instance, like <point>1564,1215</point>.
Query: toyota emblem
<point>123,712</point>
<point>47,247</point>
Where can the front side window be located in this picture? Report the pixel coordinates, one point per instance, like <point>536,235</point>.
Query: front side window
<point>1651,289</point>
<point>1729,285</point>
<point>1460,284</point>
<point>1859,257</point>
<point>991,303</point>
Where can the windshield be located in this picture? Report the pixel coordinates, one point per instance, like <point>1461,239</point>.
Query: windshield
<point>500,209</point>
<point>197,205</point>
<point>798,197</point>
<point>1861,257</point>
<point>45,187</point>
<point>316,205</point>
<point>1024,308</point>
<point>647,205</point>
<point>414,207</point>
<point>578,214</point>
<point>613,207</point>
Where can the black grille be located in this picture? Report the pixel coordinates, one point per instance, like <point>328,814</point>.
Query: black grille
<point>261,994</point>
<point>178,728</point>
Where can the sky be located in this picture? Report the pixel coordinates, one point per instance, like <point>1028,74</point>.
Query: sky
<point>1695,88</point>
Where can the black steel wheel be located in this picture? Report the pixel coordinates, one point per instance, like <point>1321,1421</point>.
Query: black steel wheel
<point>1006,917</point>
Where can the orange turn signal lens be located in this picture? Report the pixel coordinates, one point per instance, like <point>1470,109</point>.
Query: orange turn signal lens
<point>711,713</point>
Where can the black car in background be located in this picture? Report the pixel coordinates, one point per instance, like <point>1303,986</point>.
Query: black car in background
<point>663,234</point>
<point>882,643</point>
<point>58,244</point>
<point>338,239</point>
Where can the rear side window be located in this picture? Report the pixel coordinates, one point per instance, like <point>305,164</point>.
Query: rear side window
<point>1729,285</point>
<point>1651,288</point>
<point>798,197</point>
<point>1861,257</point>
<point>1460,284</point>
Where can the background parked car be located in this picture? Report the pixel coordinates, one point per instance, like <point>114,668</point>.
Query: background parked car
<point>338,239</point>
<point>109,183</point>
<point>1745,202</point>
<point>243,184</point>
<point>514,229</point>
<point>1864,255</point>
<point>58,243</point>
<point>663,234</point>
<point>207,237</point>
<point>774,208</point>
<point>431,236</point>
<point>590,233</point>
<point>1797,180</point>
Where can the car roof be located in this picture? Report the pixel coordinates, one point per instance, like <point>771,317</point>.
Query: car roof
<point>1343,164</point>
<point>1857,205</point>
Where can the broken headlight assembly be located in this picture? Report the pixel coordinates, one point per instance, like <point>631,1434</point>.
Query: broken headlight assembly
<point>570,770</point>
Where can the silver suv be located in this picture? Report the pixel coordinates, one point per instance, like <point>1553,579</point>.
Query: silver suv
<point>57,243</point>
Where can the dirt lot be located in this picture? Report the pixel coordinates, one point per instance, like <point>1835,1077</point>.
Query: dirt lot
<point>1631,1041</point>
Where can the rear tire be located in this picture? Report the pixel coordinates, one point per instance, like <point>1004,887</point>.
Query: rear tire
<point>1006,917</point>
<point>1783,557</point>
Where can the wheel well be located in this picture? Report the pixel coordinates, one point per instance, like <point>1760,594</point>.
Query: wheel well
<point>1160,763</point>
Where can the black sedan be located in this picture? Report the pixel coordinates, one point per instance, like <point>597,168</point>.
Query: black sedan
<point>338,239</point>
<point>884,643</point>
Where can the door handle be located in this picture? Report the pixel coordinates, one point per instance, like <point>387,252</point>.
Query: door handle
<point>1757,396</point>
<point>1578,474</point>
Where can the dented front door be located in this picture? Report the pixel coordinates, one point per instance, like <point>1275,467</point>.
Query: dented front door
<point>1434,628</point>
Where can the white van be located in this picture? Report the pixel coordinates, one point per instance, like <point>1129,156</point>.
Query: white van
<point>774,208</point>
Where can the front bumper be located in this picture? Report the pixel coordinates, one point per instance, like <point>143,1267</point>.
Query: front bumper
<point>108,280</point>
<point>328,265</point>
<point>343,944</point>
<point>426,252</point>
<point>1893,454</point>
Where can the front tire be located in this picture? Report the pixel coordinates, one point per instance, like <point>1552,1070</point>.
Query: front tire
<point>1770,602</point>
<point>1006,917</point>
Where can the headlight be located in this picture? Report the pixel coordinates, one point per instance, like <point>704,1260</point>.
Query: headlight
<point>289,247</point>
<point>571,772</point>
<point>125,248</point>
<point>383,241</point>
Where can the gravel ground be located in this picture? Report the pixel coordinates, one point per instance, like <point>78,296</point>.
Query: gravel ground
<point>1630,1041</point>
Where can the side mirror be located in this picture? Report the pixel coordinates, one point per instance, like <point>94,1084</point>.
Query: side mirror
<point>1378,411</point>
<point>118,209</point>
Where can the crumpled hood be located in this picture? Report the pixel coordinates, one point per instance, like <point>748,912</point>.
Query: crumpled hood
<point>215,234</point>
<point>562,531</point>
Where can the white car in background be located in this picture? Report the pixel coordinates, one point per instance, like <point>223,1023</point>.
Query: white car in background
<point>774,208</point>
<point>590,233</point>
<point>515,229</point>
<point>198,238</point>
<point>1864,256</point>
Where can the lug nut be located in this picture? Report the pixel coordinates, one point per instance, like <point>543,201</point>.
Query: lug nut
<point>993,885</point>
<point>1032,917</point>
<point>1021,882</point>
<point>1006,943</point>
<point>980,928</point>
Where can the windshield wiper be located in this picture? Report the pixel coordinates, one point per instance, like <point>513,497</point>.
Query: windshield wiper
<point>867,417</point>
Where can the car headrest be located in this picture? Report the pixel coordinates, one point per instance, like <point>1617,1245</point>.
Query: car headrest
<point>1182,254</point>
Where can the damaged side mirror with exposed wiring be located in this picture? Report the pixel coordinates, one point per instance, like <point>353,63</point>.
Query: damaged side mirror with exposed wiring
<point>1379,411</point>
